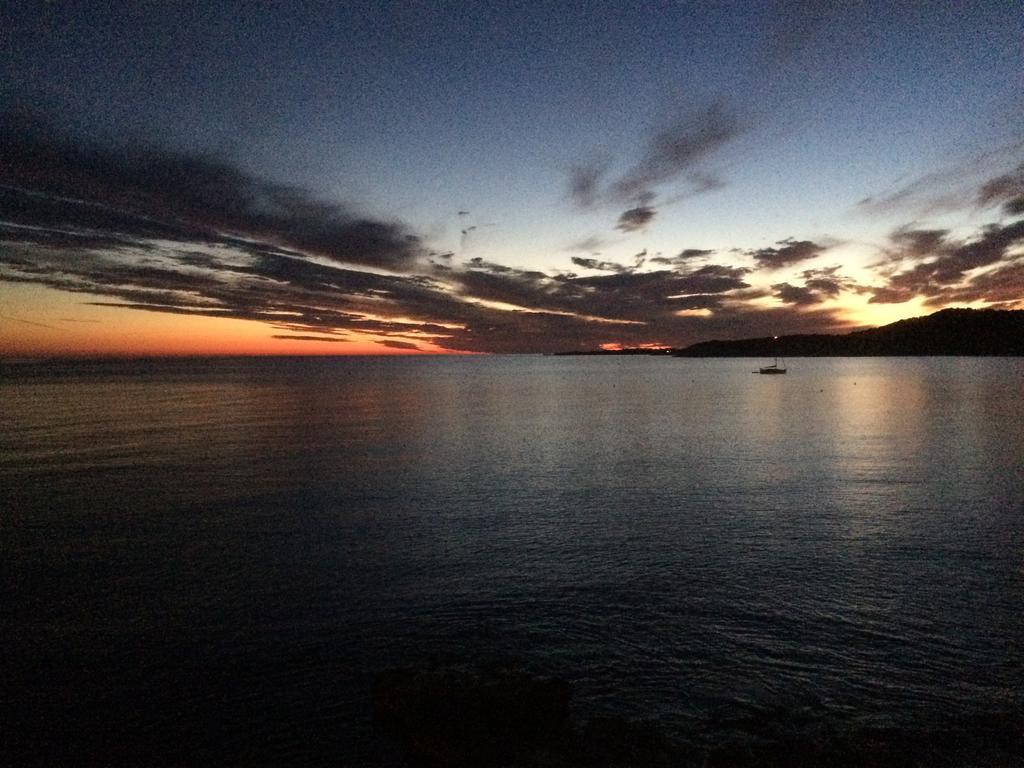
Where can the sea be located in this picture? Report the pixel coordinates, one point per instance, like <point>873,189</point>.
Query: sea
<point>210,562</point>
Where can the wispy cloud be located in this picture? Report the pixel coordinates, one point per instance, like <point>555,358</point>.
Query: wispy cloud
<point>672,154</point>
<point>150,192</point>
<point>635,218</point>
<point>592,244</point>
<point>992,178</point>
<point>795,25</point>
<point>677,151</point>
<point>585,181</point>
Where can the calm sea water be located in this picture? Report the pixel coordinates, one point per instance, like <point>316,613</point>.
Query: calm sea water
<point>211,560</point>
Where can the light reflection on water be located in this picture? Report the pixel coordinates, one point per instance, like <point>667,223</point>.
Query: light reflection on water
<point>245,543</point>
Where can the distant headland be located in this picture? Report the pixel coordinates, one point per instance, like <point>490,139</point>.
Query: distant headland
<point>947,332</point>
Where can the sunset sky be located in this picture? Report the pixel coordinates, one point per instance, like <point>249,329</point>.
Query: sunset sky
<point>335,178</point>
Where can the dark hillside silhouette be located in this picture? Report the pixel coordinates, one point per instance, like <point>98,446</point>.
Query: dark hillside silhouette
<point>948,332</point>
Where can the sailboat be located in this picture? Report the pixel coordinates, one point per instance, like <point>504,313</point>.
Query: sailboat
<point>773,368</point>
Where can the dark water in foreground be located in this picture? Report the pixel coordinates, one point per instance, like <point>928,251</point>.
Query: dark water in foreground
<point>210,561</point>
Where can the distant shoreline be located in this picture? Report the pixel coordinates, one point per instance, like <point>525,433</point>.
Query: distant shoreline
<point>947,333</point>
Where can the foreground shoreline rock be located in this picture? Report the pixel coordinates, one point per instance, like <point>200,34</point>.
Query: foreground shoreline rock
<point>457,716</point>
<point>460,716</point>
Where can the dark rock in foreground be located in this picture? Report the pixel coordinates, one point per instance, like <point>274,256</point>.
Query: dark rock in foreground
<point>611,741</point>
<point>457,717</point>
<point>463,717</point>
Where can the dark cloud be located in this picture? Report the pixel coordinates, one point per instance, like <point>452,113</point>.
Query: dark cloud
<point>603,266</point>
<point>947,271</point>
<point>635,218</point>
<point>954,262</point>
<point>148,192</point>
<point>795,294</point>
<point>241,280</point>
<point>712,278</point>
<point>625,296</point>
<point>612,266</point>
<point>1003,286</point>
<point>299,337</point>
<point>592,263</point>
<point>914,243</point>
<point>819,285</point>
<point>887,295</point>
<point>788,252</point>
<point>828,283</point>
<point>1006,190</point>
<point>399,344</point>
<point>682,258</point>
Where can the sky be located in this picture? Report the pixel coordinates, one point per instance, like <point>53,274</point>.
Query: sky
<point>367,178</point>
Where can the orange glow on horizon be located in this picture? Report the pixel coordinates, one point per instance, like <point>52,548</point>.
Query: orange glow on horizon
<point>861,314</point>
<point>614,346</point>
<point>38,322</point>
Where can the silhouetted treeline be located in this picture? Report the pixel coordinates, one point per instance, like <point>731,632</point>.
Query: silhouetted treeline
<point>948,332</point>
